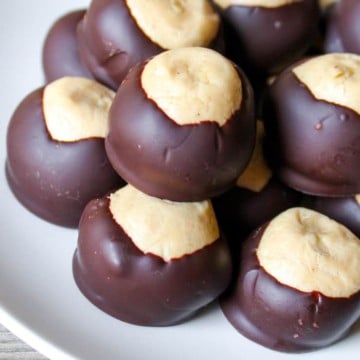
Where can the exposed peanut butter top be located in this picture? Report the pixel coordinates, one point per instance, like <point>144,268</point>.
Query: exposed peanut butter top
<point>193,85</point>
<point>334,78</point>
<point>310,252</point>
<point>176,23</point>
<point>164,228</point>
<point>76,108</point>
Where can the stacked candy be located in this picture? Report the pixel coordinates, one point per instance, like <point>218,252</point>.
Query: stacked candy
<point>180,136</point>
<point>143,92</point>
<point>180,130</point>
<point>342,35</point>
<point>299,267</point>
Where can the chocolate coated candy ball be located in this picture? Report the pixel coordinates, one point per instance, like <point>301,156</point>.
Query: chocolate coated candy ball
<point>60,52</point>
<point>56,160</point>
<point>182,125</point>
<point>117,34</point>
<point>148,261</point>
<point>268,35</point>
<point>312,120</point>
<point>298,286</point>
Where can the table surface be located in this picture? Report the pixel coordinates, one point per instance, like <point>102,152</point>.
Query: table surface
<point>12,348</point>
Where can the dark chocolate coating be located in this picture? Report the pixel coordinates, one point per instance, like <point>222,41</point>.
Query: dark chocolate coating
<point>268,39</point>
<point>345,210</point>
<point>332,40</point>
<point>54,180</point>
<point>181,163</point>
<point>111,42</point>
<point>141,288</point>
<point>313,145</point>
<point>280,317</point>
<point>240,211</point>
<point>343,29</point>
<point>60,55</point>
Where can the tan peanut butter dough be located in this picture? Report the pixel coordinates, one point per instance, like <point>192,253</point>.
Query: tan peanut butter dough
<point>192,85</point>
<point>253,3</point>
<point>257,174</point>
<point>176,23</point>
<point>334,78</point>
<point>325,3</point>
<point>76,108</point>
<point>308,251</point>
<point>357,198</point>
<point>164,228</point>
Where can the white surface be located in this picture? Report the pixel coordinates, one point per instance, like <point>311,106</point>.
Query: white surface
<point>39,301</point>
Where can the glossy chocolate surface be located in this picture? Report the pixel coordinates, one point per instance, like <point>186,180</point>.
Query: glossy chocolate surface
<point>240,211</point>
<point>332,41</point>
<point>110,41</point>
<point>313,145</point>
<point>60,51</point>
<point>141,288</point>
<point>54,180</point>
<point>166,160</point>
<point>345,210</point>
<point>279,317</point>
<point>268,39</point>
<point>343,29</point>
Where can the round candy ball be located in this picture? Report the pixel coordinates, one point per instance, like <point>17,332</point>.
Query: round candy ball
<point>148,261</point>
<point>298,285</point>
<point>312,121</point>
<point>182,125</point>
<point>56,160</point>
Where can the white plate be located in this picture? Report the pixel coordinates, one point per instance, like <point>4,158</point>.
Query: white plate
<point>39,301</point>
